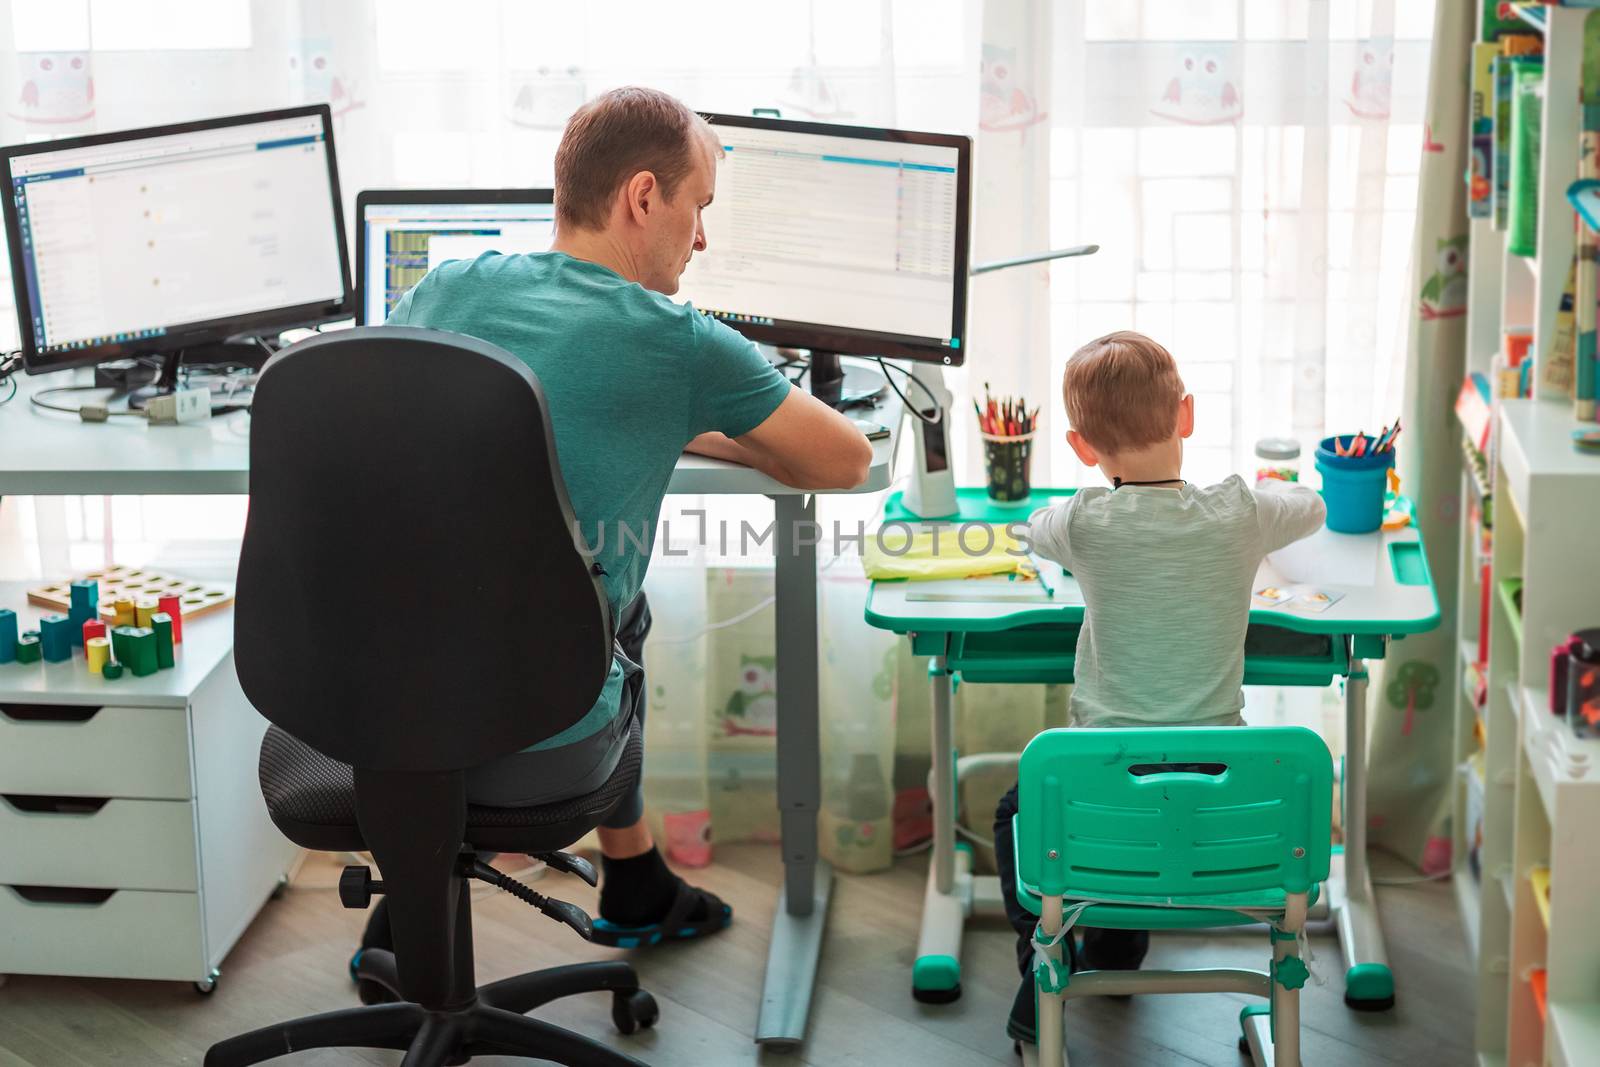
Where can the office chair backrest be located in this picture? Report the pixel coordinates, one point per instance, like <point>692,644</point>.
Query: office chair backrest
<point>1107,814</point>
<point>411,595</point>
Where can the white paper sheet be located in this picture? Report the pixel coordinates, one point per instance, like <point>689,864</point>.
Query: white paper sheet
<point>1328,558</point>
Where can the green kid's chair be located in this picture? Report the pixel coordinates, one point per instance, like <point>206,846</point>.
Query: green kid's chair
<point>1174,829</point>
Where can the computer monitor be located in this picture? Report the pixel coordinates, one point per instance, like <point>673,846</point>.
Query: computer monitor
<point>401,234</point>
<point>146,242</point>
<point>839,239</point>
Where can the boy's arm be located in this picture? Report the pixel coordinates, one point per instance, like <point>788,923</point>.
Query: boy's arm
<point>1288,515</point>
<point>1047,532</point>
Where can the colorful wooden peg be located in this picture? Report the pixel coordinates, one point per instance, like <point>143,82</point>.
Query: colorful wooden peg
<point>28,650</point>
<point>143,608</point>
<point>111,670</point>
<point>98,649</point>
<point>173,606</point>
<point>55,638</point>
<point>8,635</point>
<point>161,623</point>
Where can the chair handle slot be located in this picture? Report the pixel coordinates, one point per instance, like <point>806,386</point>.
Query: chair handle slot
<point>1142,770</point>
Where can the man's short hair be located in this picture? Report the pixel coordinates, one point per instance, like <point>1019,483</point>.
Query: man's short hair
<point>1122,392</point>
<point>615,136</point>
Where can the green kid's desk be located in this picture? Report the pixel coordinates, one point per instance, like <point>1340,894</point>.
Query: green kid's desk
<point>995,629</point>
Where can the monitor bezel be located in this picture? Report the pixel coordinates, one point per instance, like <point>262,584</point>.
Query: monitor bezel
<point>821,337</point>
<point>185,334</point>
<point>368,197</point>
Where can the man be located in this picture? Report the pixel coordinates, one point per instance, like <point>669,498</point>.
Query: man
<point>632,380</point>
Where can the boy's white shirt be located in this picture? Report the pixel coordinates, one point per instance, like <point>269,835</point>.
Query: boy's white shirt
<point>1166,576</point>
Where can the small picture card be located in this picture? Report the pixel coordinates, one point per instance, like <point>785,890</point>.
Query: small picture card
<point>1271,596</point>
<point>1318,600</point>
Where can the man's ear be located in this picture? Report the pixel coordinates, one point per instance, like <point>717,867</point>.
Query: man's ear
<point>637,193</point>
<point>1186,415</point>
<point>1083,448</point>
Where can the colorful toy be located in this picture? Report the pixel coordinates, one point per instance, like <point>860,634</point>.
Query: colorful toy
<point>98,649</point>
<point>92,628</point>
<point>127,585</point>
<point>28,650</point>
<point>111,671</point>
<point>138,649</point>
<point>143,608</point>
<point>161,623</point>
<point>173,606</point>
<point>84,605</point>
<point>55,637</point>
<point>8,635</point>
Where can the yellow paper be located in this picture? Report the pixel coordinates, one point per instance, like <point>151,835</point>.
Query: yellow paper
<point>964,551</point>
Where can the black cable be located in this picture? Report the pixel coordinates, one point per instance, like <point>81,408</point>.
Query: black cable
<point>938,409</point>
<point>11,380</point>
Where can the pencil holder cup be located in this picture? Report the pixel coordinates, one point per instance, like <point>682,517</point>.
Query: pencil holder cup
<point>1009,463</point>
<point>1353,486</point>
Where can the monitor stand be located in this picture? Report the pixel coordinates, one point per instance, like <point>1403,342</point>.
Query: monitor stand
<point>167,379</point>
<point>842,387</point>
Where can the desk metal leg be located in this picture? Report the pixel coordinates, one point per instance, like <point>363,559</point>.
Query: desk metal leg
<point>936,974</point>
<point>1369,984</point>
<point>802,913</point>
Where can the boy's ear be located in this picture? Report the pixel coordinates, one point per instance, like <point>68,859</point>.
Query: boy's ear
<point>1186,415</point>
<point>1085,451</point>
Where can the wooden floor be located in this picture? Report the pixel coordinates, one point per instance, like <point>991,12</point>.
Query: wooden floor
<point>292,962</point>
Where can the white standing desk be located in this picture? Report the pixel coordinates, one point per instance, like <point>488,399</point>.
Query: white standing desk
<point>46,453</point>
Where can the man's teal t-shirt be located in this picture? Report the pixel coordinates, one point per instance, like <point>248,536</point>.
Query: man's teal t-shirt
<point>630,378</point>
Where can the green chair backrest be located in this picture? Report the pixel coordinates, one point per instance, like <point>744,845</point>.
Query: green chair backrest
<point>1174,811</point>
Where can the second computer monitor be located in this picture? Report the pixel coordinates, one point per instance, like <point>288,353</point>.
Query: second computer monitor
<point>841,239</point>
<point>401,234</point>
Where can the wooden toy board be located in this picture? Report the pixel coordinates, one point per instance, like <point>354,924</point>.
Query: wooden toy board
<point>135,582</point>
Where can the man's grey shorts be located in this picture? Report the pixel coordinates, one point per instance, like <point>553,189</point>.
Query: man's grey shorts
<point>528,778</point>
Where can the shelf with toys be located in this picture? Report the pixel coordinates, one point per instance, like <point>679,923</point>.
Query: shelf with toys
<point>1530,767</point>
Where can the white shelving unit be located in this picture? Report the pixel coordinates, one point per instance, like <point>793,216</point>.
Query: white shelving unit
<point>1536,785</point>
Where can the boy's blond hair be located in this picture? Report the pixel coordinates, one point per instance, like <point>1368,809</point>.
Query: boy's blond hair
<point>1122,392</point>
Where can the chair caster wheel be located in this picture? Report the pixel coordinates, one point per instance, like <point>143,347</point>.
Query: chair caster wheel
<point>208,985</point>
<point>279,889</point>
<point>1244,1045</point>
<point>631,1012</point>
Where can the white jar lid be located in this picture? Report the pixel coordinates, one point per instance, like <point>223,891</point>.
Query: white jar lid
<point>1277,448</point>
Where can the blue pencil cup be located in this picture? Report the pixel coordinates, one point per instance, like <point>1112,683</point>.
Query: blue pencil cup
<point>1353,486</point>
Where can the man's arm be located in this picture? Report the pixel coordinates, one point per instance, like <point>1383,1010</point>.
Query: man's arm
<point>804,444</point>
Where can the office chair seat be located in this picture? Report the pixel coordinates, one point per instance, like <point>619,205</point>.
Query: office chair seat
<point>312,799</point>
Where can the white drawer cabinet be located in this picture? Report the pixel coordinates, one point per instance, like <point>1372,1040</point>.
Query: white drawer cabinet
<point>85,750</point>
<point>134,842</point>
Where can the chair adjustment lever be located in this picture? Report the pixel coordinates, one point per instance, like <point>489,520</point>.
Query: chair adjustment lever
<point>356,887</point>
<point>570,864</point>
<point>559,910</point>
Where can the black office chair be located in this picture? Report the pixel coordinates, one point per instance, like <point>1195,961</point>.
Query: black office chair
<point>412,604</point>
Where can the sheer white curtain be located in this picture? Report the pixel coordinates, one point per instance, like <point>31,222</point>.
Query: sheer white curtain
<point>1249,169</point>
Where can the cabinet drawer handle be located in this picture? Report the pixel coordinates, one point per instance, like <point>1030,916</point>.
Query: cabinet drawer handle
<point>54,805</point>
<point>50,894</point>
<point>48,712</point>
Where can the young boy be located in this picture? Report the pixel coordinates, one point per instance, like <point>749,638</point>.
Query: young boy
<point>1166,570</point>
